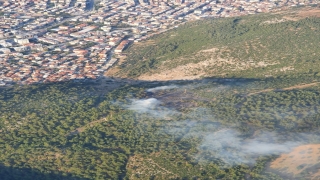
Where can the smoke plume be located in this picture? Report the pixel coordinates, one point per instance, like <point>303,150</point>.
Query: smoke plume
<point>162,88</point>
<point>151,106</point>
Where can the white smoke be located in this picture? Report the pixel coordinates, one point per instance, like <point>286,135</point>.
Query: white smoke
<point>162,88</point>
<point>144,105</point>
<point>228,146</point>
<point>151,106</point>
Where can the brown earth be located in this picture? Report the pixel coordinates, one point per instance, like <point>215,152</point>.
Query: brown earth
<point>179,73</point>
<point>303,13</point>
<point>298,160</point>
<point>299,86</point>
<point>309,12</point>
<point>211,65</point>
<point>111,71</point>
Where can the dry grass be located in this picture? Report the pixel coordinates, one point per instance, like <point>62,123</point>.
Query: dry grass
<point>115,68</point>
<point>303,13</point>
<point>91,124</point>
<point>145,43</point>
<point>298,160</point>
<point>274,21</point>
<point>309,12</point>
<point>112,71</point>
<point>299,86</point>
<point>142,168</point>
<point>212,64</point>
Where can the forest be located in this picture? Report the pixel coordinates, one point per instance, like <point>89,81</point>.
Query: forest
<point>202,129</point>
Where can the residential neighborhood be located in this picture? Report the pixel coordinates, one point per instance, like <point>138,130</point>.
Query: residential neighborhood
<point>60,40</point>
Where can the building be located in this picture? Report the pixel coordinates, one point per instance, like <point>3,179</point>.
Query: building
<point>121,46</point>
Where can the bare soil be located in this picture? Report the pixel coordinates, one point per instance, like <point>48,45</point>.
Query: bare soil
<point>298,160</point>
<point>309,12</point>
<point>112,71</point>
<point>115,68</point>
<point>299,86</point>
<point>303,13</point>
<point>211,65</point>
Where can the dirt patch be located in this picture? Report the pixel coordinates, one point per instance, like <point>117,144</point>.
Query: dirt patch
<point>292,18</point>
<point>299,86</point>
<point>309,13</point>
<point>178,73</point>
<point>116,67</point>
<point>262,91</point>
<point>145,43</point>
<point>213,62</point>
<point>289,68</point>
<point>274,21</point>
<point>112,71</point>
<point>304,13</point>
<point>144,167</point>
<point>210,50</point>
<point>83,128</point>
<point>298,160</point>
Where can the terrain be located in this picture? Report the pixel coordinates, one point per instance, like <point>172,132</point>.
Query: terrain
<point>244,105</point>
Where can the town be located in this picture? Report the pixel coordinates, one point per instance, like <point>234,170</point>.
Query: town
<point>60,40</point>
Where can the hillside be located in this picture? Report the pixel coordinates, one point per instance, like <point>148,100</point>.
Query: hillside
<point>256,46</point>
